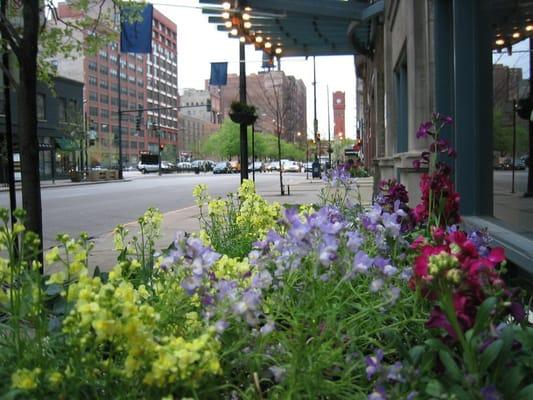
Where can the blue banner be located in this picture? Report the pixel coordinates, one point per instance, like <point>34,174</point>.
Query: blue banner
<point>219,74</point>
<point>136,37</point>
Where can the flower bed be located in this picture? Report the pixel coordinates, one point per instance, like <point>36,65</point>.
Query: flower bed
<point>329,301</point>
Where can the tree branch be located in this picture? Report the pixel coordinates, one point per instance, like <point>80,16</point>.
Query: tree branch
<point>10,34</point>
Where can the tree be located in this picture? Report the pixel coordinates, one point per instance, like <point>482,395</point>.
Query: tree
<point>33,43</point>
<point>278,107</point>
<point>503,135</point>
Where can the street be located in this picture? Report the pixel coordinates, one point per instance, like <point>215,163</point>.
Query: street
<point>97,209</point>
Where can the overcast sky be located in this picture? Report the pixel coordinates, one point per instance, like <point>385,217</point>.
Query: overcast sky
<point>199,44</point>
<point>518,59</point>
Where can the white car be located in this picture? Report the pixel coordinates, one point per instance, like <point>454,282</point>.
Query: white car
<point>145,168</point>
<point>291,166</point>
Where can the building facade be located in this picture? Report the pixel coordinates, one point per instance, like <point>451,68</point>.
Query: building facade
<point>339,112</point>
<point>146,81</point>
<point>60,128</point>
<point>276,96</point>
<point>436,56</point>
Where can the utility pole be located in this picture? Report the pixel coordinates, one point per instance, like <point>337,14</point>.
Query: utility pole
<point>315,121</point>
<point>158,128</point>
<point>329,131</point>
<point>242,98</point>
<point>529,189</point>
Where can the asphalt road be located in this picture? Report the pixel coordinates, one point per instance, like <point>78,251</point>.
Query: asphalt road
<point>97,209</point>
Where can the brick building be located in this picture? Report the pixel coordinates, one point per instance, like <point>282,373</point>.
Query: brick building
<point>339,112</point>
<point>146,81</point>
<point>271,93</point>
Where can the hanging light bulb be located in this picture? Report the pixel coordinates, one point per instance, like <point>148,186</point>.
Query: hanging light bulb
<point>242,39</point>
<point>225,15</point>
<point>268,45</point>
<point>516,35</point>
<point>234,32</point>
<point>259,39</point>
<point>245,16</point>
<point>500,42</point>
<point>279,50</point>
<point>247,25</point>
<point>226,5</point>
<point>529,28</point>
<point>248,8</point>
<point>227,24</point>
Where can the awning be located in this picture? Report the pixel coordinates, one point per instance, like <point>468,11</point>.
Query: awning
<point>66,144</point>
<point>299,27</point>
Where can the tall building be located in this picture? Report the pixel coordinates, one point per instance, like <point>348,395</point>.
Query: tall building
<point>146,81</point>
<point>276,97</point>
<point>339,112</point>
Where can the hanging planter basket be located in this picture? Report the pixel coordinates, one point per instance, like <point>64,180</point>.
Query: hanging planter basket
<point>241,113</point>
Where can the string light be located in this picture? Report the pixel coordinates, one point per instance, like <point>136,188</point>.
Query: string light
<point>259,39</point>
<point>268,45</point>
<point>226,5</point>
<point>500,42</point>
<point>278,50</point>
<point>234,32</point>
<point>516,35</point>
<point>247,25</point>
<point>245,16</point>
<point>225,15</point>
<point>227,24</point>
<point>529,28</point>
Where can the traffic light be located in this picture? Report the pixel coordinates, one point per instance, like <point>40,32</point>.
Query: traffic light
<point>524,108</point>
<point>208,105</point>
<point>161,147</point>
<point>138,121</point>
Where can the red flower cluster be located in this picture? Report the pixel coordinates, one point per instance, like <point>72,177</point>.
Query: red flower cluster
<point>439,198</point>
<point>454,263</point>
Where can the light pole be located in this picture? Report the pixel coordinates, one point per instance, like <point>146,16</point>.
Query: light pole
<point>253,152</point>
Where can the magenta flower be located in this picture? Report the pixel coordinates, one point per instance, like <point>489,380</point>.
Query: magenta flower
<point>423,131</point>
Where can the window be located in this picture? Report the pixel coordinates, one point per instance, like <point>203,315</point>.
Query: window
<point>114,101</point>
<point>41,110</point>
<point>104,113</point>
<point>93,111</point>
<point>72,105</point>
<point>103,54</point>
<point>62,109</point>
<point>104,127</point>
<point>92,65</point>
<point>140,83</point>
<point>104,98</point>
<point>114,87</point>
<point>113,72</point>
<point>402,108</point>
<point>92,80</point>
<point>103,70</point>
<point>93,96</point>
<point>140,96</point>
<point>104,84</point>
<point>133,93</point>
<point>124,90</point>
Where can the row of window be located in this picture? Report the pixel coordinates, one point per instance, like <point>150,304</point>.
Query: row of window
<point>104,84</point>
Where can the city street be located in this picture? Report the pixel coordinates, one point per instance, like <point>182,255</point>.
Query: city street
<point>98,208</point>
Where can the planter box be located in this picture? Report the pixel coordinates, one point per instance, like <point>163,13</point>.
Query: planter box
<point>365,188</point>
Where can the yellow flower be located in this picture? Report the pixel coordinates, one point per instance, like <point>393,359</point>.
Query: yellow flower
<point>18,228</point>
<point>52,256</point>
<point>55,378</point>
<point>57,278</point>
<point>25,379</point>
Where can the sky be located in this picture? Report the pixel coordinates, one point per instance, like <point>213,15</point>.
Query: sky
<point>518,59</point>
<point>199,44</point>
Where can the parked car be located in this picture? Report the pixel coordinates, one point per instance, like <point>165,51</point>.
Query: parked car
<point>184,166</point>
<point>256,166</point>
<point>235,166</point>
<point>167,167</point>
<point>272,166</point>
<point>147,167</point>
<point>308,166</point>
<point>290,166</point>
<point>222,168</point>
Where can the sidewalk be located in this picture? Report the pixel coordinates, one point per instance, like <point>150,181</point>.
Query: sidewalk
<point>186,219</point>
<point>62,183</point>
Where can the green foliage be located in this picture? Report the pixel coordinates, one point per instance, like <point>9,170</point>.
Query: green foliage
<point>225,144</point>
<point>503,135</point>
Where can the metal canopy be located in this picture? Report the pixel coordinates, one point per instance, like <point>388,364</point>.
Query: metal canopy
<point>306,27</point>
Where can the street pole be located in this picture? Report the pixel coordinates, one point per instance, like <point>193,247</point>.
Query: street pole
<point>120,176</point>
<point>253,152</point>
<point>306,157</point>
<point>529,190</point>
<point>329,131</point>
<point>242,98</point>
<point>9,131</point>
<point>158,128</point>
<point>315,121</point>
<point>514,145</point>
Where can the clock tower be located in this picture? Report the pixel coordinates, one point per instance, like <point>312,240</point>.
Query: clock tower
<point>339,108</point>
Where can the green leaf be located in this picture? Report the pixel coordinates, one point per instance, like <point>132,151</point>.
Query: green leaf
<point>483,314</point>
<point>451,366</point>
<point>526,393</point>
<point>435,344</point>
<point>434,388</point>
<point>490,354</point>
<point>416,352</point>
<point>459,393</point>
<point>53,289</point>
<point>512,380</point>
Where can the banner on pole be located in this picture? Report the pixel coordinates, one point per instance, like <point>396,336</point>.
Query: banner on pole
<point>136,37</point>
<point>219,74</point>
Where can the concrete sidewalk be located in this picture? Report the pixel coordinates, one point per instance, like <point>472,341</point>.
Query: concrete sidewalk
<point>302,191</point>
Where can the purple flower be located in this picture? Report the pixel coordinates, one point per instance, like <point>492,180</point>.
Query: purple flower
<point>361,262</point>
<point>394,372</point>
<point>355,239</point>
<point>278,373</point>
<point>490,393</point>
<point>190,284</point>
<point>412,396</point>
<point>376,285</point>
<point>252,299</point>
<point>394,294</point>
<point>378,394</point>
<point>389,270</point>
<point>328,250</point>
<point>261,280</point>
<point>373,363</point>
<point>423,130</point>
<point>226,289</point>
<point>221,326</point>
<point>267,328</point>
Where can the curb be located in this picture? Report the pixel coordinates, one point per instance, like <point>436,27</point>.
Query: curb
<point>66,184</point>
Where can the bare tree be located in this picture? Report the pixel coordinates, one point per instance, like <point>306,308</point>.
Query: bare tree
<point>279,105</point>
